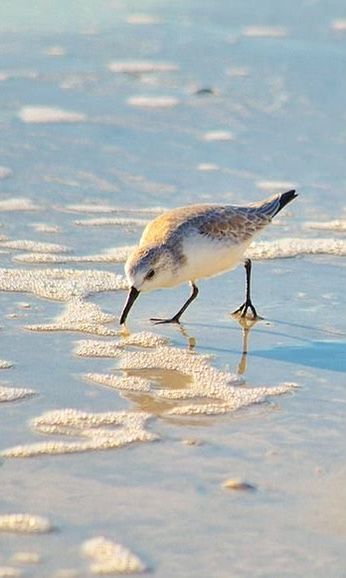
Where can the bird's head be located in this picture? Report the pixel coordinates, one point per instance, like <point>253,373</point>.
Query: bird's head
<point>147,269</point>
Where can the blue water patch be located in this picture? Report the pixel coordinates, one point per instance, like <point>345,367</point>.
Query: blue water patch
<point>329,355</point>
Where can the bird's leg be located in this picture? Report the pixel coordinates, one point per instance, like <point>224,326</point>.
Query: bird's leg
<point>242,310</point>
<point>176,317</point>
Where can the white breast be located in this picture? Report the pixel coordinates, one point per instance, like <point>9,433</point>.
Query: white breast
<point>206,257</point>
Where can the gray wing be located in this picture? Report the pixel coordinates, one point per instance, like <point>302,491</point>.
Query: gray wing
<point>236,224</point>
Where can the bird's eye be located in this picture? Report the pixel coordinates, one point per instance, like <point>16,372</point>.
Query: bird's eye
<point>150,274</point>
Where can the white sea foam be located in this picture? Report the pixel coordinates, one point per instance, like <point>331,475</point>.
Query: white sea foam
<point>219,389</point>
<point>60,284</point>
<point>14,393</point>
<point>95,348</point>
<point>141,66</point>
<point>275,186</point>
<point>264,31</point>
<point>207,167</point>
<point>45,228</point>
<point>98,431</point>
<point>24,524</point>
<point>5,364</point>
<point>23,557</point>
<point>103,208</point>
<point>335,225</point>
<point>114,255</point>
<point>293,247</point>
<point>153,101</point>
<point>218,135</point>
<point>9,572</point>
<point>46,114</point>
<point>113,221</point>
<point>80,315</point>
<point>35,246</point>
<point>88,208</point>
<point>109,557</point>
<point>119,383</point>
<point>207,390</point>
<point>20,204</point>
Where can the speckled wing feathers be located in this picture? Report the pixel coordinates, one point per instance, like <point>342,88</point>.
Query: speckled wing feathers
<point>236,224</point>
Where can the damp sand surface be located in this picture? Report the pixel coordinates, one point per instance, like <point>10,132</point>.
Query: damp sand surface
<point>217,448</point>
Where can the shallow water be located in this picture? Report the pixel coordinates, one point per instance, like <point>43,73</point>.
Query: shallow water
<point>107,116</point>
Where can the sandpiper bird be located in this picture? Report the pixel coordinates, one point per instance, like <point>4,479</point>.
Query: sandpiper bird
<point>197,241</point>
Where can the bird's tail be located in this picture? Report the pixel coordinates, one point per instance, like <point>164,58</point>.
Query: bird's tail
<point>286,198</point>
<point>273,205</point>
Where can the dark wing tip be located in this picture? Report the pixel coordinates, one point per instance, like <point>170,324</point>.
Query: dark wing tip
<point>286,198</point>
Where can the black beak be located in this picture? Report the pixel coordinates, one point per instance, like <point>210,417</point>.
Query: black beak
<point>131,298</point>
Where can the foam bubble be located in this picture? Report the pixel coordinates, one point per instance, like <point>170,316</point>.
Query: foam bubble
<point>24,524</point>
<point>60,284</point>
<point>110,557</point>
<point>99,431</point>
<point>119,383</point>
<point>26,558</point>
<point>275,186</point>
<point>292,247</point>
<point>335,225</point>
<point>9,572</point>
<point>36,246</point>
<point>94,348</point>
<point>207,167</point>
<point>141,66</point>
<point>89,208</point>
<point>114,255</point>
<point>153,101</point>
<point>44,228</point>
<point>114,221</point>
<point>218,135</point>
<point>20,204</point>
<point>264,31</point>
<point>82,316</point>
<point>102,208</point>
<point>14,393</point>
<point>46,114</point>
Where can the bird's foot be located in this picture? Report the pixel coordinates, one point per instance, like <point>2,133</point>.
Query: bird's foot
<point>158,321</point>
<point>242,310</point>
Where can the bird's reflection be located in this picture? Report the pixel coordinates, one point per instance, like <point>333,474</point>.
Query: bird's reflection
<point>190,340</point>
<point>246,325</point>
